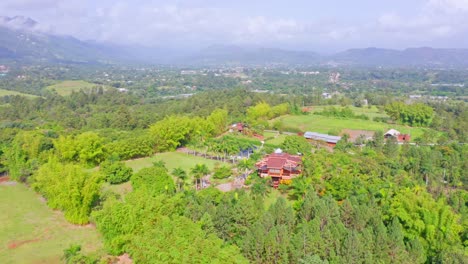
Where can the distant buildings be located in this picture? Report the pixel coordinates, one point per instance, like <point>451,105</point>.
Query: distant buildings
<point>393,133</point>
<point>334,77</point>
<point>4,69</point>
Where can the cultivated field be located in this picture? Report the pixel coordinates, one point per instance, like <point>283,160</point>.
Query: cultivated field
<point>30,232</point>
<point>67,87</point>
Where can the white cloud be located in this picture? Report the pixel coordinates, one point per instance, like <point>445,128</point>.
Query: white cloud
<point>153,23</point>
<point>449,6</point>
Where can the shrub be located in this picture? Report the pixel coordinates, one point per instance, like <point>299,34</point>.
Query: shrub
<point>116,172</point>
<point>222,172</point>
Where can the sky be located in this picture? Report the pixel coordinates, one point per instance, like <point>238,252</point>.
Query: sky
<point>322,26</point>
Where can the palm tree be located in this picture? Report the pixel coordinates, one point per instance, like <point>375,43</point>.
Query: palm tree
<point>181,176</point>
<point>199,171</point>
<point>244,164</point>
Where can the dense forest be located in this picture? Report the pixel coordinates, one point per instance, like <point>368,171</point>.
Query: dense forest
<point>375,202</point>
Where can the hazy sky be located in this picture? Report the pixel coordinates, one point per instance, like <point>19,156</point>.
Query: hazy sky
<point>324,26</point>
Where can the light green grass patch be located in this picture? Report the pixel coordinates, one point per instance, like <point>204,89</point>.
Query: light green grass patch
<point>274,138</point>
<point>65,88</point>
<point>324,124</point>
<point>172,160</point>
<point>30,232</point>
<point>8,92</point>
<point>371,112</point>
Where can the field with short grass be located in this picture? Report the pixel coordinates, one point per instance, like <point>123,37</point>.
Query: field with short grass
<point>324,124</point>
<point>67,87</point>
<point>274,138</point>
<point>8,92</point>
<point>172,160</point>
<point>371,112</point>
<point>30,232</point>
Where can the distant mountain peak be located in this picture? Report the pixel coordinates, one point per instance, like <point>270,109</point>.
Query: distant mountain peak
<point>18,22</point>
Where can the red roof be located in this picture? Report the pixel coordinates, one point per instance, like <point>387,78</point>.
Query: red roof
<point>279,161</point>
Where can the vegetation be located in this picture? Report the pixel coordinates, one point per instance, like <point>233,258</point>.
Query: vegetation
<point>32,232</point>
<point>65,88</point>
<point>375,202</point>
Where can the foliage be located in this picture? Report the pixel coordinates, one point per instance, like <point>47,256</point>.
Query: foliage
<point>413,114</point>
<point>296,144</point>
<point>73,255</point>
<point>345,113</point>
<point>86,148</point>
<point>69,188</point>
<point>222,172</point>
<point>154,180</point>
<point>432,222</point>
<point>150,229</point>
<point>135,147</point>
<point>115,172</point>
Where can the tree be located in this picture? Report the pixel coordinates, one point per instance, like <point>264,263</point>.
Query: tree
<point>69,188</point>
<point>115,172</point>
<point>259,114</point>
<point>378,140</point>
<point>181,176</point>
<point>198,172</point>
<point>86,148</point>
<point>222,172</point>
<point>295,145</point>
<point>218,118</point>
<point>154,180</point>
<point>171,132</point>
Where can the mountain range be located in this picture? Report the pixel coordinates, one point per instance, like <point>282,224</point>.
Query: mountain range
<point>22,39</point>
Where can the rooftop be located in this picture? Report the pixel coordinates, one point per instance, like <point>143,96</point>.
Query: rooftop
<point>322,137</point>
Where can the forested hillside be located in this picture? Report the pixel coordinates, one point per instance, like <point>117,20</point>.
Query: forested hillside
<point>372,201</point>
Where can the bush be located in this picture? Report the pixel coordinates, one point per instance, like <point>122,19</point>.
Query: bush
<point>116,172</point>
<point>222,172</point>
<point>156,180</point>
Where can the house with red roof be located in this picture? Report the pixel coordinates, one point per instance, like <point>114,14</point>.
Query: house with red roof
<point>279,166</point>
<point>397,135</point>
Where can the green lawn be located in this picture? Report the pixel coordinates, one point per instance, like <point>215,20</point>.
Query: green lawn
<point>8,92</point>
<point>67,87</point>
<point>275,138</point>
<point>370,112</point>
<point>172,160</point>
<point>30,232</point>
<point>323,124</point>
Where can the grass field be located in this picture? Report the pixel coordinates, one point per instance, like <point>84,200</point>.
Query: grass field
<point>370,112</point>
<point>67,87</point>
<point>275,138</point>
<point>323,124</point>
<point>30,232</point>
<point>172,160</point>
<point>8,92</point>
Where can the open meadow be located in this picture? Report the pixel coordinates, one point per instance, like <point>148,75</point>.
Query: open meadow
<point>4,92</point>
<point>371,112</point>
<point>172,160</point>
<point>31,232</point>
<point>67,87</point>
<point>324,124</point>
